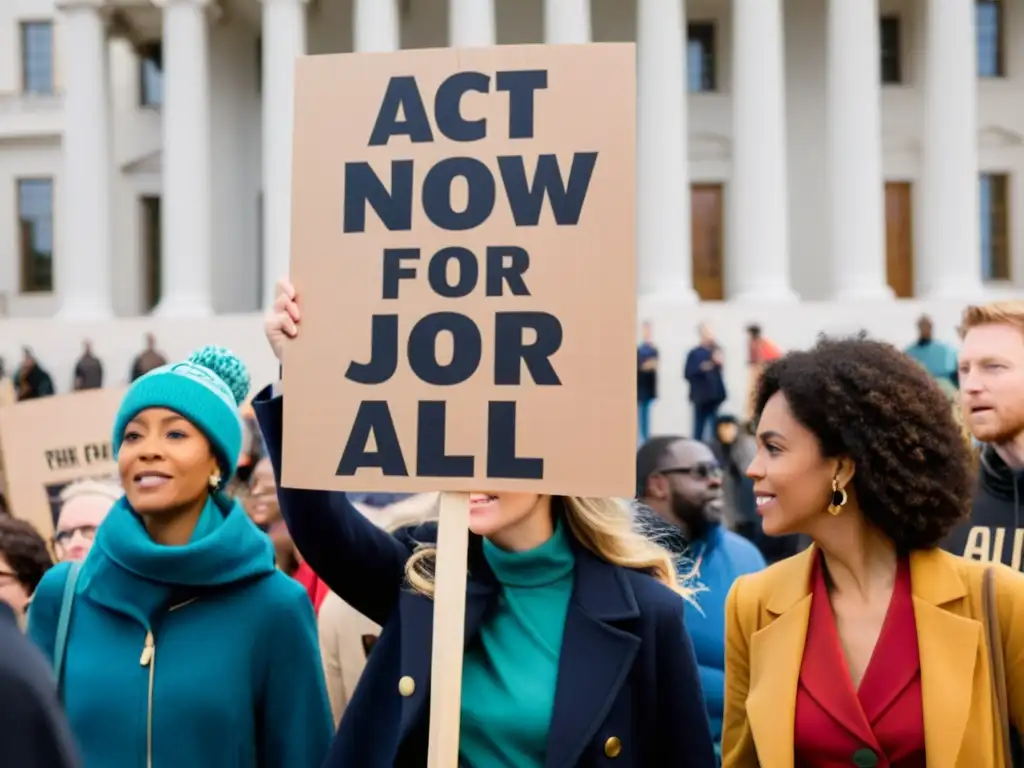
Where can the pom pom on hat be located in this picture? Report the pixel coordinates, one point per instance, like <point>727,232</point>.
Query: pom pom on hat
<point>228,368</point>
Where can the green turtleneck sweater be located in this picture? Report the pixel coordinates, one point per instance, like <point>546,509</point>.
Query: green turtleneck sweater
<point>509,673</point>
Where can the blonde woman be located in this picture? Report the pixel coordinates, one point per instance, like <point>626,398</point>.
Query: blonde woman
<point>576,649</point>
<point>83,506</point>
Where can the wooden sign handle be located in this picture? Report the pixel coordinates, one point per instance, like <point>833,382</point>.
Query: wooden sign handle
<point>449,630</point>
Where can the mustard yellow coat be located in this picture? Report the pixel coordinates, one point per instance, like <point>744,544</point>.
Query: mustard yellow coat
<point>766,625</point>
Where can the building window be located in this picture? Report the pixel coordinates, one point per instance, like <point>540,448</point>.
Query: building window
<point>35,234</point>
<point>151,75</point>
<point>37,57</point>
<point>700,56</point>
<point>891,50</point>
<point>994,197</point>
<point>988,26</point>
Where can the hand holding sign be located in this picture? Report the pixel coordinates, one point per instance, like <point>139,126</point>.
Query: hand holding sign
<point>282,321</point>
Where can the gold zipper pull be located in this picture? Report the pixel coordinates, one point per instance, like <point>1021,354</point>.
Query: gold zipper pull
<point>147,650</point>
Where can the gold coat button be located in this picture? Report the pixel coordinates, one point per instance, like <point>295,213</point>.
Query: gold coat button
<point>613,747</point>
<point>407,686</point>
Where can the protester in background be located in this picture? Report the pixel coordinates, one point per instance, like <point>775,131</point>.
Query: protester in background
<point>346,636</point>
<point>938,359</point>
<point>88,369</point>
<point>31,380</point>
<point>180,577</point>
<point>854,649</point>
<point>261,500</point>
<point>147,360</point>
<point>24,559</point>
<point>646,381</point>
<point>576,652</point>
<point>84,504</point>
<point>760,352</point>
<point>992,402</point>
<point>680,481</point>
<point>703,372</point>
<point>33,730</point>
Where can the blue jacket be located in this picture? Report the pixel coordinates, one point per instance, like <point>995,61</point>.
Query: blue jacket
<point>202,655</point>
<point>627,668</point>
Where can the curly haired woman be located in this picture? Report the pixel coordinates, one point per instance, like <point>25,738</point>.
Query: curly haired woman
<point>576,656</point>
<point>869,647</point>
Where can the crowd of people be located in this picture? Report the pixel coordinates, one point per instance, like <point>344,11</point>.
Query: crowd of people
<point>833,580</point>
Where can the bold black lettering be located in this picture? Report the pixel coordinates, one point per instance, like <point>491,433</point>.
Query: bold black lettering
<point>373,418</point>
<point>511,272</point>
<point>62,458</point>
<point>468,272</point>
<point>448,103</point>
<point>510,348</point>
<point>521,86</point>
<point>431,460</point>
<point>437,193</point>
<point>394,271</point>
<point>383,353</point>
<point>362,186</point>
<point>467,347</point>
<point>501,446</point>
<point>402,95</point>
<point>527,198</point>
<point>97,452</point>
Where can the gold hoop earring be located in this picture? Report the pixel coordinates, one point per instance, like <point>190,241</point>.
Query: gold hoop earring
<point>839,498</point>
<point>214,481</point>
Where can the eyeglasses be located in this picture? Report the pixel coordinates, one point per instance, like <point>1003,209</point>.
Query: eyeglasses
<point>11,575</point>
<point>706,471</point>
<point>65,536</point>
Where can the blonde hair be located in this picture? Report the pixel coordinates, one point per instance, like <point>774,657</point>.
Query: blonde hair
<point>1009,312</point>
<point>108,489</point>
<point>603,526</point>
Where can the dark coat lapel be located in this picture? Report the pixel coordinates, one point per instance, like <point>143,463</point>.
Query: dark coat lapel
<point>417,624</point>
<point>596,657</point>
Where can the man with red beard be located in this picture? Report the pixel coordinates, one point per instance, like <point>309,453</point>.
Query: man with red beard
<point>992,398</point>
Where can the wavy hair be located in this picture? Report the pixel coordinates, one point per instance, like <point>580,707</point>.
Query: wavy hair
<point>603,526</point>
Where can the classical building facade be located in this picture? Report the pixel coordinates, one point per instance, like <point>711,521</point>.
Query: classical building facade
<point>824,150</point>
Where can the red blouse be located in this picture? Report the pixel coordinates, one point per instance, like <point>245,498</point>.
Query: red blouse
<point>882,723</point>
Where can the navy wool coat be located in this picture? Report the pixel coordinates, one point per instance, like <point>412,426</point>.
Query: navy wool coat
<point>628,692</point>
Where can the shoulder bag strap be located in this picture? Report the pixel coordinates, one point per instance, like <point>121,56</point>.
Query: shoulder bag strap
<point>67,601</point>
<point>997,664</point>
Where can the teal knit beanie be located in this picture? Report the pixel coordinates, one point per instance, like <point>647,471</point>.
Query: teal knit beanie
<point>207,389</point>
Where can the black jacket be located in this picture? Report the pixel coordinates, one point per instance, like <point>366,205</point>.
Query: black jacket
<point>995,529</point>
<point>627,668</point>
<point>33,731</point>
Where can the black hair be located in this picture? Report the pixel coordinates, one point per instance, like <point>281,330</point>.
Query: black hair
<point>25,551</point>
<point>869,401</point>
<point>649,459</point>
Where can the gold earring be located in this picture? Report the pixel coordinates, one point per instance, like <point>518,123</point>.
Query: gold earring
<point>214,481</point>
<point>839,498</point>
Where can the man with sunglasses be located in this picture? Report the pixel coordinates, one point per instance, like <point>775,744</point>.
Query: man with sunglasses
<point>680,481</point>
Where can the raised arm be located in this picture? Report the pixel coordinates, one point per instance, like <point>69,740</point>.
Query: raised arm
<point>362,564</point>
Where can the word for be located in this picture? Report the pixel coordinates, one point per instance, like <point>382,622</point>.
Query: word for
<point>68,458</point>
<point>454,272</point>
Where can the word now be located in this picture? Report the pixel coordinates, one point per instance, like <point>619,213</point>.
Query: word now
<point>432,460</point>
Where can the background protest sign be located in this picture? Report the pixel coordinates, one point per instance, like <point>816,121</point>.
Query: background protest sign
<point>52,442</point>
<point>463,249</point>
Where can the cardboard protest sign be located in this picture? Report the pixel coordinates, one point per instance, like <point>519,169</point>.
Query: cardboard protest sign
<point>463,249</point>
<point>51,443</point>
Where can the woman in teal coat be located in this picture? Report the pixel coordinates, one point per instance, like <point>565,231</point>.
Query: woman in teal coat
<point>185,646</point>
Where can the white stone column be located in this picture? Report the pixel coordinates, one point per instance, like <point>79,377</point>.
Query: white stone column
<point>856,183</point>
<point>284,40</point>
<point>567,21</point>
<point>664,269</point>
<point>83,264</point>
<point>471,23</point>
<point>187,259</point>
<point>376,27</point>
<point>760,193</point>
<point>949,250</point>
